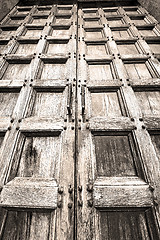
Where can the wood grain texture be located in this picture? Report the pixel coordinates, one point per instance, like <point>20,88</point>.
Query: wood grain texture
<point>30,193</point>
<point>108,196</point>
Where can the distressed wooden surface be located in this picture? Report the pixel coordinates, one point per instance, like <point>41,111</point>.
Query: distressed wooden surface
<point>30,193</point>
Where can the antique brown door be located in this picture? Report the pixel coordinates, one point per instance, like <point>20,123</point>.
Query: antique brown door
<point>80,122</point>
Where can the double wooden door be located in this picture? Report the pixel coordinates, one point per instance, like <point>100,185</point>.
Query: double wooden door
<point>79,122</point>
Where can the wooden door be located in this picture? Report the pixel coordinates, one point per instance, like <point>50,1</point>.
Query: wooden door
<point>118,155</point>
<point>38,71</point>
<point>79,126</point>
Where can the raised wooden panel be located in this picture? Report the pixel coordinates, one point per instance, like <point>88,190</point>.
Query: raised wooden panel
<point>8,101</point>
<point>120,33</point>
<point>39,20</point>
<point>92,22</point>
<point>8,32</point>
<point>128,48</point>
<point>15,20</point>
<point>26,48</point>
<point>115,22</point>
<point>28,225</point>
<point>90,33</point>
<point>16,71</point>
<point>90,12</point>
<point>105,104</point>
<point>100,71</point>
<point>45,11</point>
<point>64,10</point>
<point>109,11</point>
<point>137,71</point>
<point>49,104</point>
<point>60,32</point>
<point>115,155</point>
<point>127,224</point>
<point>54,71</point>
<point>97,49</point>
<point>138,21</point>
<point>147,32</point>
<point>39,156</point>
<point>29,32</point>
<point>149,102</point>
<point>62,20</point>
<point>57,48</point>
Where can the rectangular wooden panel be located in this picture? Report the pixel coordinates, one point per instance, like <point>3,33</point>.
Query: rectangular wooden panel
<point>148,32</point>
<point>30,193</point>
<point>15,20</point>
<point>120,33</point>
<point>49,104</point>
<point>127,48</point>
<point>57,48</point>
<point>60,32</point>
<point>33,32</point>
<point>137,71</point>
<point>94,34</point>
<point>62,20</point>
<point>115,22</point>
<point>122,196</point>
<point>126,224</point>
<point>16,71</point>
<point>39,20</point>
<point>105,104</point>
<point>91,22</point>
<point>100,71</point>
<point>7,33</point>
<point>28,225</point>
<point>3,46</point>
<point>115,155</point>
<point>8,101</point>
<point>39,156</point>
<point>96,49</point>
<point>54,71</point>
<point>149,102</point>
<point>26,48</point>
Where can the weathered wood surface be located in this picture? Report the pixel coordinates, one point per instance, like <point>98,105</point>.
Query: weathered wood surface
<point>30,193</point>
<point>125,196</point>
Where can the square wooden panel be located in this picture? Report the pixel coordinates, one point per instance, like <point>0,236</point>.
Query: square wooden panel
<point>106,104</point>
<point>90,22</point>
<point>127,48</point>
<point>60,31</point>
<point>64,10</point>
<point>17,71</point>
<point>23,223</point>
<point>49,103</point>
<point>26,48</point>
<point>30,32</point>
<point>149,101</point>
<point>39,155</point>
<point>130,224</point>
<point>62,20</point>
<point>45,11</point>
<point>115,154</point>
<point>147,32</point>
<point>131,10</point>
<point>100,71</point>
<point>94,33</point>
<point>120,33</point>
<point>90,12</point>
<point>53,71</point>
<point>6,32</point>
<point>58,47</point>
<point>115,22</point>
<point>15,20</point>
<point>98,49</point>
<point>8,100</point>
<point>138,70</point>
<point>39,20</point>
